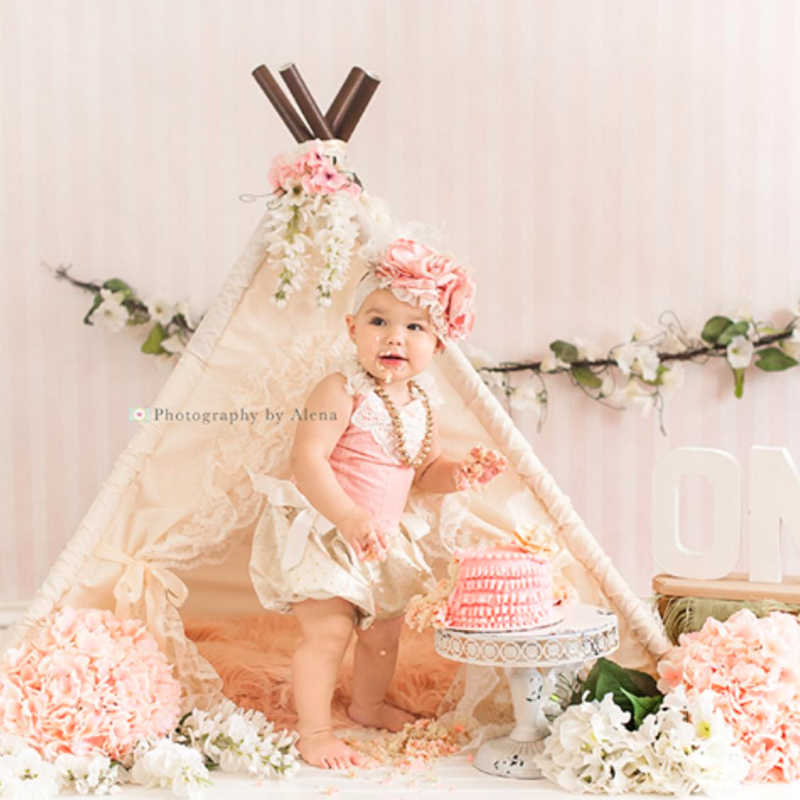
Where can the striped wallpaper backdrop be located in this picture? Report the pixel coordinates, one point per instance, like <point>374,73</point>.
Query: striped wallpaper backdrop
<point>596,163</point>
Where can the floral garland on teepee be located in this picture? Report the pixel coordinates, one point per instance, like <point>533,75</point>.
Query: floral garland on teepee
<point>316,207</point>
<point>640,373</point>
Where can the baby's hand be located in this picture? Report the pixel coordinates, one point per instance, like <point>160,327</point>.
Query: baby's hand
<point>361,531</point>
<point>479,467</point>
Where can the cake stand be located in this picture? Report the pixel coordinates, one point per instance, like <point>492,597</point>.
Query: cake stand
<point>585,632</point>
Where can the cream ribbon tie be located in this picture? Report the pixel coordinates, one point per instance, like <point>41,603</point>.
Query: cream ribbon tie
<point>281,492</point>
<point>143,578</point>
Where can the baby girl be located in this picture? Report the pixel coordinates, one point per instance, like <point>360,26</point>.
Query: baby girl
<point>335,546</point>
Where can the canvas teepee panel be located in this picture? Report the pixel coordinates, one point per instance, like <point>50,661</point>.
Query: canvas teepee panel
<point>171,527</point>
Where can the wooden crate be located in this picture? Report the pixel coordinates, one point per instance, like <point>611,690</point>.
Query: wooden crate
<point>735,587</point>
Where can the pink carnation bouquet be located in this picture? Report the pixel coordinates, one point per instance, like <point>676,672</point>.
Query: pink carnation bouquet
<point>87,683</point>
<point>752,667</point>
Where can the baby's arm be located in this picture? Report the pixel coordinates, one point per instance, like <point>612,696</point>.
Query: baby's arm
<point>316,436</point>
<point>437,472</point>
<point>441,474</point>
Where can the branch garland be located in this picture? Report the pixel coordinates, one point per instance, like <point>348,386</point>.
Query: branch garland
<point>650,364</point>
<point>638,374</point>
<point>116,305</point>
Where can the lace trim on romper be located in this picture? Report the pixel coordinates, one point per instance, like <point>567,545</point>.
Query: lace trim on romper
<point>373,416</point>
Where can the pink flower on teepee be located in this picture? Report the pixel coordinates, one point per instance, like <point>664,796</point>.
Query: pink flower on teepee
<point>753,668</point>
<point>314,170</point>
<point>87,683</point>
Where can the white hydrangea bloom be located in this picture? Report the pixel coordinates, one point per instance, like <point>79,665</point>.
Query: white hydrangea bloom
<point>241,741</point>
<point>88,774</point>
<point>685,747</point>
<point>24,775</point>
<point>169,765</point>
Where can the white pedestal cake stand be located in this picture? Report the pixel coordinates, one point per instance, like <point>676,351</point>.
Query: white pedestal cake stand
<point>585,633</point>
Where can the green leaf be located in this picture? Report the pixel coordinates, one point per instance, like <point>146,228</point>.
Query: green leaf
<point>586,377</point>
<point>772,359</point>
<point>633,691</point>
<point>737,329</point>
<point>87,320</point>
<point>634,681</point>
<point>714,328</point>
<point>116,285</point>
<point>738,376</point>
<point>152,344</point>
<point>565,351</point>
<point>641,706</point>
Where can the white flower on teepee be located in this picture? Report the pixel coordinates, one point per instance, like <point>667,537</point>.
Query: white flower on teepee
<point>740,352</point>
<point>587,351</point>
<point>671,344</point>
<point>524,397</point>
<point>480,358</point>
<point>174,343</point>
<point>640,399</point>
<point>642,332</point>
<point>791,346</point>
<point>161,310</point>
<point>184,307</point>
<point>111,314</point>
<point>673,377</point>
<point>551,362</point>
<point>637,359</point>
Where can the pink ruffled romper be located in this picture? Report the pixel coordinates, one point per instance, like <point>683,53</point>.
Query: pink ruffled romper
<point>298,554</point>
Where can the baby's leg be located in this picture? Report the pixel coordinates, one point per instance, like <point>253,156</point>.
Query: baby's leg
<point>327,626</point>
<point>375,660</point>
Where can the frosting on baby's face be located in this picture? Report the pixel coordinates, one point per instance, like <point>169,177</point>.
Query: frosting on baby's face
<point>394,340</point>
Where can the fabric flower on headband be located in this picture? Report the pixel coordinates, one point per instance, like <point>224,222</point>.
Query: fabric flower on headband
<point>418,275</point>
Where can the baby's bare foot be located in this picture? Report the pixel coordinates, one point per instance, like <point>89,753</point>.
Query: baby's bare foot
<point>325,751</point>
<point>383,716</point>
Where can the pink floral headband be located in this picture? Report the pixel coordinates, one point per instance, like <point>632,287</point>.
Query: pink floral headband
<point>416,274</point>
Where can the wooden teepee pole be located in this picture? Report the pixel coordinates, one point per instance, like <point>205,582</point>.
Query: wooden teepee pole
<point>305,101</point>
<point>280,102</point>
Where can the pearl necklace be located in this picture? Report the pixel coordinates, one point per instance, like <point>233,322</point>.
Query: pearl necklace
<point>397,425</point>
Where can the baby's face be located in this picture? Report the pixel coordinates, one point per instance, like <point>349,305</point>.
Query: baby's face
<point>394,340</point>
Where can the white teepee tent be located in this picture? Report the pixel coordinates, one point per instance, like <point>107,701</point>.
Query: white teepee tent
<point>169,533</point>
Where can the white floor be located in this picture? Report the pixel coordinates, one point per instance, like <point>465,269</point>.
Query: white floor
<point>452,777</point>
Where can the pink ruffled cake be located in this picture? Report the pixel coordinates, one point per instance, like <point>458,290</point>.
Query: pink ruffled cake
<point>501,589</point>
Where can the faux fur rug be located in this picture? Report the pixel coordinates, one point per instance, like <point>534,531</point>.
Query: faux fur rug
<point>253,656</point>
